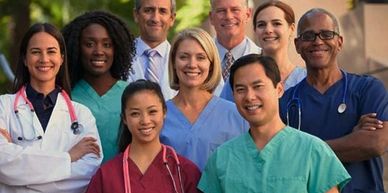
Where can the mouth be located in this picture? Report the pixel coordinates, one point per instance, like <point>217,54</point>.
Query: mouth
<point>98,62</point>
<point>192,74</point>
<point>146,131</point>
<point>269,39</point>
<point>229,24</point>
<point>44,68</point>
<point>253,107</point>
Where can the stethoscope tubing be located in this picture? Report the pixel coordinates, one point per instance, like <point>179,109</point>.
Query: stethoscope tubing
<point>127,181</point>
<point>295,100</point>
<point>22,93</point>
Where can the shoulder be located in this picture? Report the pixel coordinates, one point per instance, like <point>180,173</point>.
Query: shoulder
<point>113,165</point>
<point>364,82</point>
<point>7,98</point>
<point>188,165</point>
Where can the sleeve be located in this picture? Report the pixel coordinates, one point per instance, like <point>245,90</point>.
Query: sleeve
<point>374,99</point>
<point>191,175</point>
<point>95,185</point>
<point>209,182</point>
<point>81,170</point>
<point>18,163</point>
<point>325,163</point>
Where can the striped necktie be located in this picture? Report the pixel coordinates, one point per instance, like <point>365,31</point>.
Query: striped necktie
<point>228,63</point>
<point>152,70</point>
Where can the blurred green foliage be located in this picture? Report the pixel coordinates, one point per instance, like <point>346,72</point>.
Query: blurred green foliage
<point>190,13</point>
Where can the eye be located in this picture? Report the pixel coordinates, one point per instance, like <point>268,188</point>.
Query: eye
<point>240,90</point>
<point>260,24</point>
<point>107,45</point>
<point>134,114</point>
<point>147,10</point>
<point>236,10</point>
<point>52,51</point>
<point>277,24</point>
<point>220,11</point>
<point>153,111</point>
<point>201,58</point>
<point>89,44</point>
<point>163,11</point>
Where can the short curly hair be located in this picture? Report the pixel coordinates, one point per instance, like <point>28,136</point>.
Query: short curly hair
<point>123,42</point>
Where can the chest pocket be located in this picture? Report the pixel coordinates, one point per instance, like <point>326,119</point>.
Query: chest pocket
<point>286,184</point>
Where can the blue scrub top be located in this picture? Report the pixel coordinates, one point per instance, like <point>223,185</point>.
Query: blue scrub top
<point>365,94</point>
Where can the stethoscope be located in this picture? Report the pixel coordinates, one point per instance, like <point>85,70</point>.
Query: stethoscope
<point>22,93</point>
<point>296,102</point>
<point>127,182</point>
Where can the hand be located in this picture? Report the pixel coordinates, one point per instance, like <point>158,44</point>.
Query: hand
<point>5,134</point>
<point>368,122</point>
<point>83,147</point>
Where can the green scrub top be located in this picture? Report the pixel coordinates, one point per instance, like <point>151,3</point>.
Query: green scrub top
<point>106,109</point>
<point>293,161</point>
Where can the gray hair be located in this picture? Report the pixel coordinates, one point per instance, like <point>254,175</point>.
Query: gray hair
<point>314,11</point>
<point>173,5</point>
<point>212,3</point>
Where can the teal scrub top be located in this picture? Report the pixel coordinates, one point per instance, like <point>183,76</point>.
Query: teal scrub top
<point>106,109</point>
<point>293,161</point>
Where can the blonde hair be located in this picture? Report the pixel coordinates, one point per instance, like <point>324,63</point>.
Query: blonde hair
<point>208,45</point>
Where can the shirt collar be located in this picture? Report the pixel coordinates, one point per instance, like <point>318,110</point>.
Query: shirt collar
<point>237,51</point>
<point>141,46</point>
<point>33,95</point>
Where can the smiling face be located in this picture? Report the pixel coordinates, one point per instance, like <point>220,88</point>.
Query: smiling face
<point>191,64</point>
<point>229,18</point>
<point>272,30</point>
<point>154,18</point>
<point>43,59</point>
<point>96,50</point>
<point>319,53</point>
<point>256,98</point>
<point>144,116</point>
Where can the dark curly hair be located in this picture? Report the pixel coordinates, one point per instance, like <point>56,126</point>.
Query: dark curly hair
<point>123,42</point>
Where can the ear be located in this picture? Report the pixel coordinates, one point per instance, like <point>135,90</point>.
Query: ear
<point>340,43</point>
<point>249,13</point>
<point>122,116</point>
<point>211,15</point>
<point>292,30</point>
<point>280,89</point>
<point>173,16</point>
<point>297,46</point>
<point>135,16</point>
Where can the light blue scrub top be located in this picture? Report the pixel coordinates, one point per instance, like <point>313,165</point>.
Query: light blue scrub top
<point>218,122</point>
<point>292,162</point>
<point>106,109</point>
<point>319,117</point>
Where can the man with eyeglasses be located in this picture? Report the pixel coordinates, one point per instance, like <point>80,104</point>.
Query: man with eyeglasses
<point>348,111</point>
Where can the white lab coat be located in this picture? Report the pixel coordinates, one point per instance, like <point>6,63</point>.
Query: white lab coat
<point>137,71</point>
<point>44,165</point>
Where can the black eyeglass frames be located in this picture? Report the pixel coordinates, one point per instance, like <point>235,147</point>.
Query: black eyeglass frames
<point>312,36</point>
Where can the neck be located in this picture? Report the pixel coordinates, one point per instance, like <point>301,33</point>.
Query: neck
<point>191,104</point>
<point>283,61</point>
<point>44,88</point>
<point>262,134</point>
<point>230,42</point>
<point>153,44</point>
<point>101,84</point>
<point>143,154</point>
<point>323,79</point>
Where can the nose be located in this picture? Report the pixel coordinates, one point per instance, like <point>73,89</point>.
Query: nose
<point>228,13</point>
<point>44,58</point>
<point>192,62</point>
<point>144,119</point>
<point>268,29</point>
<point>250,94</point>
<point>98,49</point>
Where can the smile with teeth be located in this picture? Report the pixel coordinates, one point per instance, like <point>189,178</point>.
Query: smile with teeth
<point>146,131</point>
<point>98,62</point>
<point>192,74</point>
<point>44,68</point>
<point>271,38</point>
<point>253,107</point>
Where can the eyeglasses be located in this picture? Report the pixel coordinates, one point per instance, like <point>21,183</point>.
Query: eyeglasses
<point>312,36</point>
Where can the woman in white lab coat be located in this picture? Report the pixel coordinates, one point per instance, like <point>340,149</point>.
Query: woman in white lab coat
<point>48,143</point>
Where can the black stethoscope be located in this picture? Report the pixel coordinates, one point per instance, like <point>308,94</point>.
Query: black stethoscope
<point>127,182</point>
<point>22,93</point>
<point>296,102</point>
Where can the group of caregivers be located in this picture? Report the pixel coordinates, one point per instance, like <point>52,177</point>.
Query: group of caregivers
<point>195,74</point>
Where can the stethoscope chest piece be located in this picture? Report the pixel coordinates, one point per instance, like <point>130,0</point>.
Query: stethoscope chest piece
<point>341,108</point>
